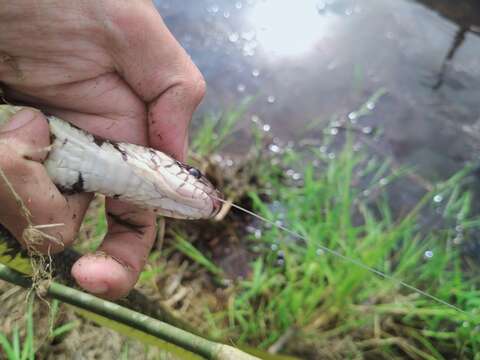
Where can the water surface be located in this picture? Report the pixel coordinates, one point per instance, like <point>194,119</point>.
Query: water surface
<point>310,62</point>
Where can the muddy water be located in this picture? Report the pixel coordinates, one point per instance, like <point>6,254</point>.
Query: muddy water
<point>312,60</point>
<point>308,62</point>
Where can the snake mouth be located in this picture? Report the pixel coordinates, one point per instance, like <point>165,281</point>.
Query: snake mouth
<point>217,203</point>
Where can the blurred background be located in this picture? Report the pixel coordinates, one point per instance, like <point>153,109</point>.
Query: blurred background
<point>355,123</point>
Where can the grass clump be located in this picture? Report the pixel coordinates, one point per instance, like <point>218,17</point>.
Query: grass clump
<point>216,130</point>
<point>302,299</point>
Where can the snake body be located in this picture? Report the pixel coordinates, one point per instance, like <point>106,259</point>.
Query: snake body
<point>80,162</point>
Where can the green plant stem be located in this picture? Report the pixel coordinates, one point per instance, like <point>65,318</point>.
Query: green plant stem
<point>159,329</point>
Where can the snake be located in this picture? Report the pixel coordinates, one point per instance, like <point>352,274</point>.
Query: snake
<point>78,161</point>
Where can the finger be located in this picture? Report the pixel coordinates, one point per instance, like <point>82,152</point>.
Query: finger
<point>27,134</point>
<point>114,270</point>
<point>169,117</point>
<point>160,72</point>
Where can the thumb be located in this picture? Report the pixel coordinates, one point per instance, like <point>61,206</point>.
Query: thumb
<point>27,132</point>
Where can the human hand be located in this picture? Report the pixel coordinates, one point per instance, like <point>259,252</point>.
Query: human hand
<point>112,68</point>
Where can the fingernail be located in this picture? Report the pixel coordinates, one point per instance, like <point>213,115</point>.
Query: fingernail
<point>18,120</point>
<point>97,288</point>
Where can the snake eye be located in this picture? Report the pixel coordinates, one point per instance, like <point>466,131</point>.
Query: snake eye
<point>194,172</point>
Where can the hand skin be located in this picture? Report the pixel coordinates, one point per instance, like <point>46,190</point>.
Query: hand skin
<point>112,68</point>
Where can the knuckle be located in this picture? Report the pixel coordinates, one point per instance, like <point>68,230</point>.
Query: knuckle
<point>195,86</point>
<point>68,226</point>
<point>63,236</point>
<point>200,87</point>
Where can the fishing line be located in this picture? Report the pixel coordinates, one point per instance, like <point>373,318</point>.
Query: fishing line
<point>345,258</point>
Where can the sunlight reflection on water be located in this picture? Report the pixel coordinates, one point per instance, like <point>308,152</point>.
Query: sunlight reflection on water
<point>288,28</point>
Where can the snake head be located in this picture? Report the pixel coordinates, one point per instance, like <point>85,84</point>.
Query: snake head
<point>179,190</point>
<point>196,183</point>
